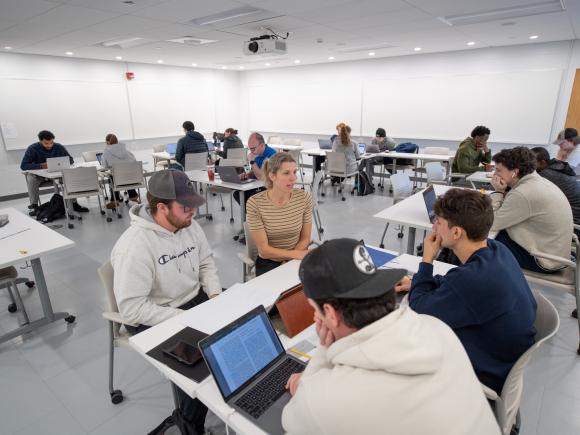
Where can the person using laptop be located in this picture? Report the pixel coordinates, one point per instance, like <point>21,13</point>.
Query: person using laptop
<point>163,264</point>
<point>280,218</point>
<point>35,158</point>
<point>231,140</point>
<point>381,143</point>
<point>473,151</point>
<point>117,152</point>
<point>378,369</point>
<point>344,144</point>
<point>192,142</point>
<point>486,300</point>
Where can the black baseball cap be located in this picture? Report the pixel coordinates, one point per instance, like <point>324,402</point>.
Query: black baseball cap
<point>344,269</point>
<point>174,185</point>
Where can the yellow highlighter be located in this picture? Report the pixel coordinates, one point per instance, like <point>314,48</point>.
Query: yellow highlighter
<point>302,354</point>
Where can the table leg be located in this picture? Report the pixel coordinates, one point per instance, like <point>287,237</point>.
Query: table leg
<point>49,315</point>
<point>411,241</point>
<point>242,208</point>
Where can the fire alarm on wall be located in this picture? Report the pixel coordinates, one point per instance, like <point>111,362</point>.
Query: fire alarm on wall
<point>130,75</point>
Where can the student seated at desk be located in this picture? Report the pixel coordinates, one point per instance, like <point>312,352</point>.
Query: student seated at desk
<point>344,144</point>
<point>192,142</point>
<point>473,151</point>
<point>116,152</point>
<point>163,264</point>
<point>35,158</point>
<point>378,369</point>
<point>280,218</point>
<point>486,300</point>
<point>530,213</point>
<point>381,143</point>
<point>231,140</point>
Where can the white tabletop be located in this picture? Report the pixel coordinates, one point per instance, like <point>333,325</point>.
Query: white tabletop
<point>315,151</point>
<point>58,174</point>
<point>163,155</point>
<point>200,176</point>
<point>480,177</point>
<point>286,147</point>
<point>411,211</point>
<point>24,238</point>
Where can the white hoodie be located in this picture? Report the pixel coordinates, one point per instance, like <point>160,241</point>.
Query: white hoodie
<point>157,270</point>
<point>405,374</point>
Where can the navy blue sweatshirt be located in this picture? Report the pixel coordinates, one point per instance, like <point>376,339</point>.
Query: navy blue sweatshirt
<point>192,142</point>
<point>36,154</point>
<point>489,305</point>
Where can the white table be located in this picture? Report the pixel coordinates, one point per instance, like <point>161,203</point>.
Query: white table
<point>282,147</point>
<point>480,177</point>
<point>162,155</point>
<point>24,239</point>
<point>199,176</point>
<point>411,212</point>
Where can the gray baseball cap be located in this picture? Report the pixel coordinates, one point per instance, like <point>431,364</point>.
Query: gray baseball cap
<point>175,185</point>
<point>570,134</point>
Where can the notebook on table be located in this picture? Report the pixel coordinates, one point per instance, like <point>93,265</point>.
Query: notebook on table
<point>251,368</point>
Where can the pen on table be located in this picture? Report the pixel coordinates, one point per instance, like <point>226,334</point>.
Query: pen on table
<point>297,352</point>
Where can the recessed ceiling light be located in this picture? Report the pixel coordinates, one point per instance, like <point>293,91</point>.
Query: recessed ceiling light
<point>372,53</point>
<point>297,61</point>
<point>119,57</point>
<point>194,64</point>
<point>242,67</point>
<point>159,61</point>
<point>224,67</point>
<point>417,48</point>
<point>129,2</point>
<point>69,53</point>
<point>470,43</point>
<point>267,64</point>
<point>331,58</point>
<point>534,37</point>
<point>7,47</point>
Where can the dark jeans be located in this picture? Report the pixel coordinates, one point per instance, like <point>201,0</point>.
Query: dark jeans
<point>132,193</point>
<point>192,409</point>
<point>263,265</point>
<point>318,161</point>
<point>523,257</point>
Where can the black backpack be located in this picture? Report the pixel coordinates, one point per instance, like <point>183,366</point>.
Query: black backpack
<point>51,210</point>
<point>364,186</point>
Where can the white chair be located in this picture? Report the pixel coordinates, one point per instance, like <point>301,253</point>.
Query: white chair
<point>248,258</point>
<point>507,404</point>
<point>336,167</point>
<point>90,156</point>
<point>9,279</point>
<point>315,202</point>
<point>297,156</point>
<point>159,163</point>
<point>274,140</point>
<point>402,188</point>
<point>238,154</point>
<point>567,278</point>
<point>77,183</point>
<point>195,161</point>
<point>125,176</point>
<point>224,190</point>
<point>117,337</point>
<point>455,177</point>
<point>292,142</point>
<point>435,173</point>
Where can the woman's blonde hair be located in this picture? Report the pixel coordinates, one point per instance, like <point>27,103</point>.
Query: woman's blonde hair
<point>273,165</point>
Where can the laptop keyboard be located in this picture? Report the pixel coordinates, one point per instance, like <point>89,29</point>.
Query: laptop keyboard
<point>257,400</point>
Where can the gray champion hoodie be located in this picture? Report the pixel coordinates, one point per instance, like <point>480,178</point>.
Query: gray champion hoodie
<point>116,153</point>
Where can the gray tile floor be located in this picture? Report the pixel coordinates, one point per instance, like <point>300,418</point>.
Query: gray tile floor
<point>54,381</point>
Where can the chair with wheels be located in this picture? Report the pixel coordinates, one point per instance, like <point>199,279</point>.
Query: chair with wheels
<point>77,183</point>
<point>402,188</point>
<point>125,176</point>
<point>159,164</point>
<point>117,336</point>
<point>315,203</point>
<point>506,406</point>
<point>238,154</point>
<point>336,167</point>
<point>9,279</point>
<point>248,258</point>
<point>274,140</point>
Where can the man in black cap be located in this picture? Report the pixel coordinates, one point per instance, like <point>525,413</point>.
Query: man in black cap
<point>163,264</point>
<point>378,369</point>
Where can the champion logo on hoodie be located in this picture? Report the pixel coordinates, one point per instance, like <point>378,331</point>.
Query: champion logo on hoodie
<point>166,258</point>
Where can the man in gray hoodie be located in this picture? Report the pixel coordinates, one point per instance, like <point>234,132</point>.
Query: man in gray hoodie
<point>163,264</point>
<point>117,152</point>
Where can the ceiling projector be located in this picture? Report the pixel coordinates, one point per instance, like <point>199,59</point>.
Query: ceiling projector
<point>266,44</point>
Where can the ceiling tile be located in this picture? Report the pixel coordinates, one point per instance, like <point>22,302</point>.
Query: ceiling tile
<point>458,7</point>
<point>126,24</point>
<point>180,11</point>
<point>24,9</point>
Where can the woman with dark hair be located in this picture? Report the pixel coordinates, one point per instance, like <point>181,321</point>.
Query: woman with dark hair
<point>116,152</point>
<point>231,140</point>
<point>531,213</point>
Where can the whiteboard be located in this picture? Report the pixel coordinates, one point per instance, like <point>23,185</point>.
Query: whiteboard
<point>158,109</point>
<point>75,111</point>
<point>517,106</point>
<point>310,108</point>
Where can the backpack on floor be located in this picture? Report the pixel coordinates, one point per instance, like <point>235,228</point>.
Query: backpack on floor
<point>51,210</point>
<point>364,186</point>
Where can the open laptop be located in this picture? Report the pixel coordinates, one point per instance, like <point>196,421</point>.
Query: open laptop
<point>171,148</point>
<point>230,175</point>
<point>99,158</point>
<point>361,148</point>
<point>56,164</point>
<point>324,144</point>
<point>251,368</point>
<point>430,198</point>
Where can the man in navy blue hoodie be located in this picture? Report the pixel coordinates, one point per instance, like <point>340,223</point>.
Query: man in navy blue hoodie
<point>486,300</point>
<point>35,158</point>
<point>192,142</point>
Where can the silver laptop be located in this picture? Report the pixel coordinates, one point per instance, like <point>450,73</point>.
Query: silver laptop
<point>324,144</point>
<point>230,175</point>
<point>56,164</point>
<point>251,368</point>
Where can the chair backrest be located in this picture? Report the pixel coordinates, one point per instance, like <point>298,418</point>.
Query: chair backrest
<point>238,163</point>
<point>159,148</point>
<point>293,142</point>
<point>316,188</point>
<point>336,163</point>
<point>107,274</point>
<point>251,248</point>
<point>195,161</point>
<point>76,180</point>
<point>435,171</point>
<point>127,173</point>
<point>441,151</point>
<point>238,154</point>
<point>402,186</point>
<point>295,155</point>
<point>274,140</point>
<point>90,156</point>
<point>546,324</point>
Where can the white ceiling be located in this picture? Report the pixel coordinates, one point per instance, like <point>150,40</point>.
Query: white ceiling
<point>319,29</point>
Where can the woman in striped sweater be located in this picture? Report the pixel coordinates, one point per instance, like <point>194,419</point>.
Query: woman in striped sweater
<point>280,218</point>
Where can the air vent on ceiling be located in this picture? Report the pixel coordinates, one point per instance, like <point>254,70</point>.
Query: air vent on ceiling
<point>190,40</point>
<point>123,43</point>
<point>242,11</point>
<point>505,13</point>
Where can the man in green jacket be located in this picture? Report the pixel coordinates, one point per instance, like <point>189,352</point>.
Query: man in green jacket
<point>472,151</point>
